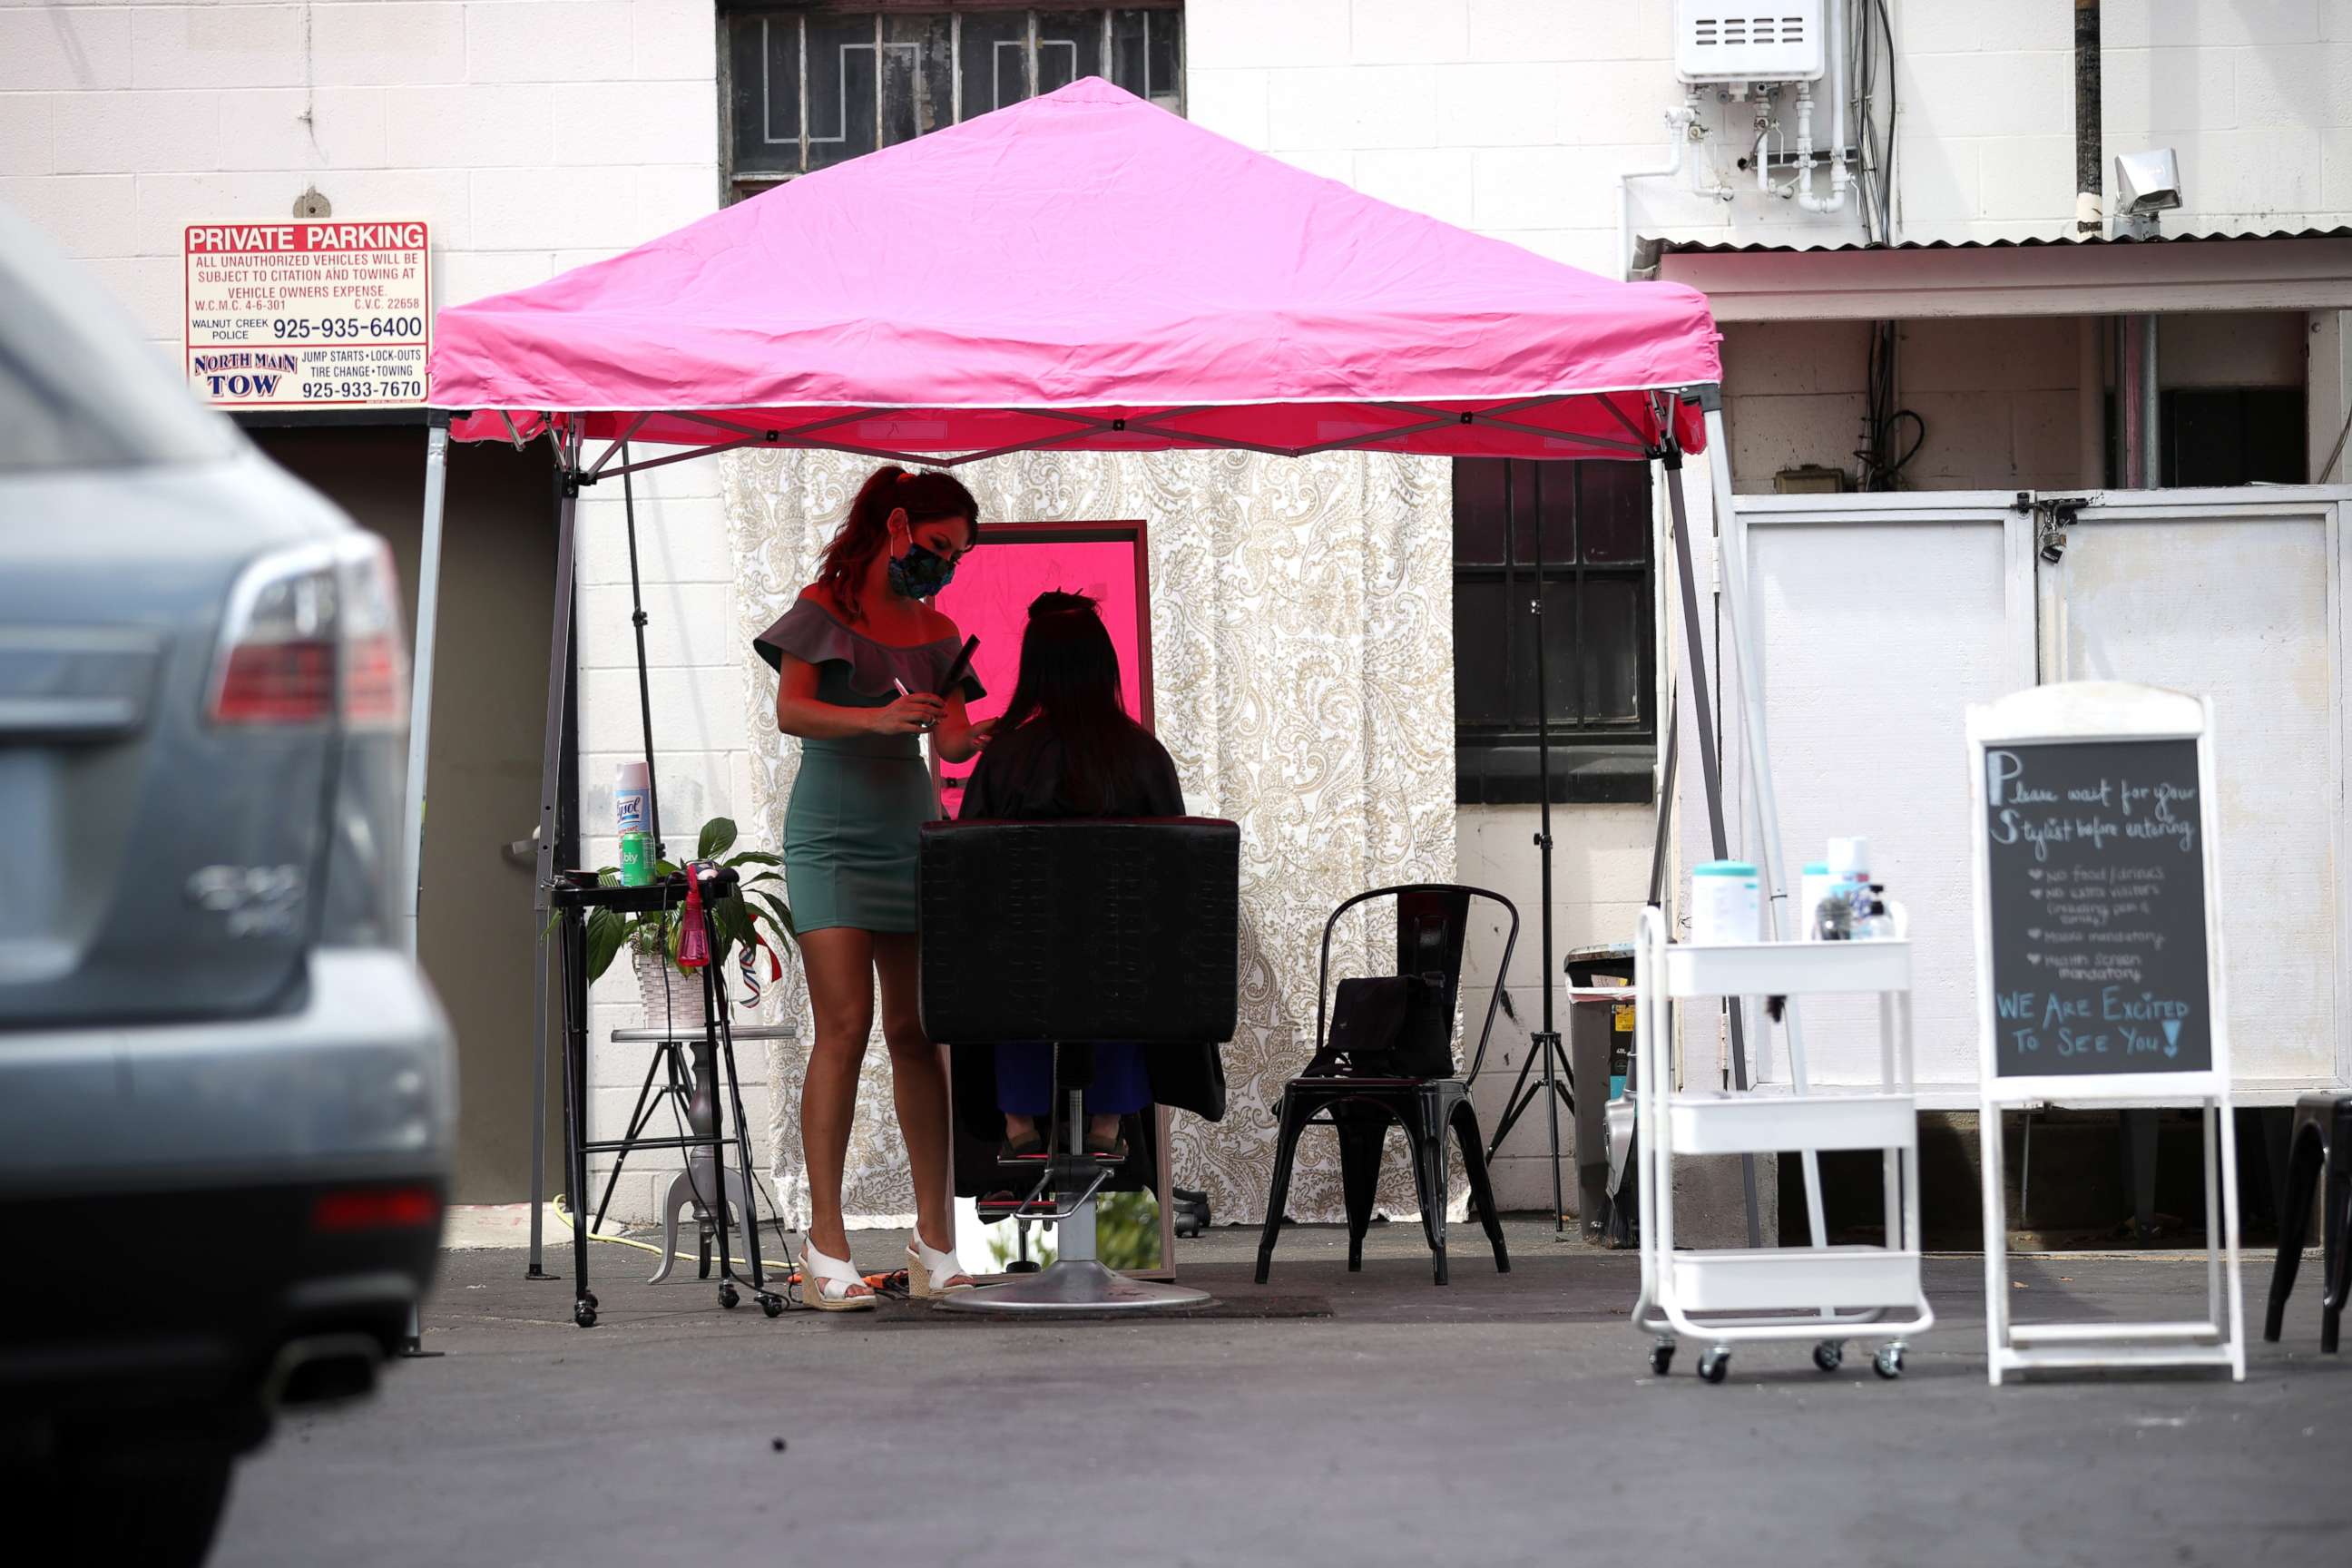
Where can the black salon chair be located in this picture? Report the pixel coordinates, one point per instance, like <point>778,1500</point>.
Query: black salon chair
<point>1070,931</point>
<point>2319,1155</point>
<point>1360,1103</point>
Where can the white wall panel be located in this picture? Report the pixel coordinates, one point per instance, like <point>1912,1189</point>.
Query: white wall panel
<point>2235,599</point>
<point>1881,619</point>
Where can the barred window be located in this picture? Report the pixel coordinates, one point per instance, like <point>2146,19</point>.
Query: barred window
<point>1589,526</point>
<point>811,85</point>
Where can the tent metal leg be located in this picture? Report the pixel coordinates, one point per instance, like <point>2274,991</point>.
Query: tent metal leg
<point>420,725</point>
<point>1711,774</point>
<point>1670,737</point>
<point>644,687</point>
<point>559,672</point>
<point>1731,536</point>
<point>420,689</point>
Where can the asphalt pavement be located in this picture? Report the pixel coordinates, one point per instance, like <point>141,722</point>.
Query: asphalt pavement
<point>1324,1418</point>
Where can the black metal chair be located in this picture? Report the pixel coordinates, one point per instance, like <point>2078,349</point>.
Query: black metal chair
<point>1432,921</point>
<point>2319,1155</point>
<point>1072,932</point>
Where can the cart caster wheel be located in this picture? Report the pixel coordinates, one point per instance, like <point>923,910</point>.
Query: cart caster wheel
<point>1714,1365</point>
<point>1661,1359</point>
<point>585,1314</point>
<point>1888,1362</point>
<point>727,1295</point>
<point>1829,1355</point>
<point>589,1300</point>
<point>772,1304</point>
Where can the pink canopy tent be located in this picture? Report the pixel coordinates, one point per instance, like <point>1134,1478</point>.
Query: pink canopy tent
<point>1082,271</point>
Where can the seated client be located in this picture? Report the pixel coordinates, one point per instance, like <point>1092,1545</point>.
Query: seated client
<point>1067,748</point>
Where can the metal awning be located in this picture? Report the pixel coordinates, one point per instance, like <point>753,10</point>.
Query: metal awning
<point>2308,269</point>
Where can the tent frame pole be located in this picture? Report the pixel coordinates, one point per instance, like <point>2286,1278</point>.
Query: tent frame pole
<point>1710,764</point>
<point>420,687</point>
<point>420,724</point>
<point>559,674</point>
<point>1732,554</point>
<point>1546,1039</point>
<point>644,688</point>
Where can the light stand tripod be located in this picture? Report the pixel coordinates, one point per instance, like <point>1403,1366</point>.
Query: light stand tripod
<point>1558,1084</point>
<point>1545,1043</point>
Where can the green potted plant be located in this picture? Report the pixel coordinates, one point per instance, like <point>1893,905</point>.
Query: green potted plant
<point>753,912</point>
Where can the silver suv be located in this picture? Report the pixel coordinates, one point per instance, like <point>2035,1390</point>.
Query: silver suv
<point>226,1092</point>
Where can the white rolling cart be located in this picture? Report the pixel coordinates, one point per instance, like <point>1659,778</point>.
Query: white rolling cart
<point>1826,1294</point>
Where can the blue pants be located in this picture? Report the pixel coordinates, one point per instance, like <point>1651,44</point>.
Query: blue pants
<point>1025,1079</point>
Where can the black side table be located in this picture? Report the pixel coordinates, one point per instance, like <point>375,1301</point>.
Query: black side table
<point>572,901</point>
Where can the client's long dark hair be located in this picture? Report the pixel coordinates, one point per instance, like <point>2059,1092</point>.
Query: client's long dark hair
<point>1069,684</point>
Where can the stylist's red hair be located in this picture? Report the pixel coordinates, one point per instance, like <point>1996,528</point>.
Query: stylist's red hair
<point>928,497</point>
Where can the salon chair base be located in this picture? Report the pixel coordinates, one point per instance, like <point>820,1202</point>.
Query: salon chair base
<point>1073,1285</point>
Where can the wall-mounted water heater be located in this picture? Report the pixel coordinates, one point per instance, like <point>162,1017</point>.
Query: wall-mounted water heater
<point>1749,40</point>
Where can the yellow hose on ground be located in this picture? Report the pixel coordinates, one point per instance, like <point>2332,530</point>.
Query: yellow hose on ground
<point>791,1276</point>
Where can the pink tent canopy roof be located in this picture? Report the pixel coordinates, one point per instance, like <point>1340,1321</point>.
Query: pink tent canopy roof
<point>1082,270</point>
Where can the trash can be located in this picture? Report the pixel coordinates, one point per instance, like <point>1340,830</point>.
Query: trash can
<point>1600,1053</point>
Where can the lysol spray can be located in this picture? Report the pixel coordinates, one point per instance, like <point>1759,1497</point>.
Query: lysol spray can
<point>631,790</point>
<point>633,820</point>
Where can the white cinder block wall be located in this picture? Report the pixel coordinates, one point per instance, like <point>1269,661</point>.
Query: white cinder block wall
<point>533,135</point>
<point>1514,117</point>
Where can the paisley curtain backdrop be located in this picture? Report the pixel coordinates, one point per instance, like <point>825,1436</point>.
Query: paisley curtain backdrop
<point>1303,679</point>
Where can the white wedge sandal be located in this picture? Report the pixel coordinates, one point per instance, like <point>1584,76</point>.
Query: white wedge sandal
<point>826,1282</point>
<point>930,1273</point>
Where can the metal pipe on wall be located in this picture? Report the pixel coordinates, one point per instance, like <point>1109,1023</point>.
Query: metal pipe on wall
<point>2091,402</point>
<point>2090,158</point>
<point>2140,461</point>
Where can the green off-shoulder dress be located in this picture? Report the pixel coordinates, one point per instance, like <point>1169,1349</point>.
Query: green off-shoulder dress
<point>852,828</point>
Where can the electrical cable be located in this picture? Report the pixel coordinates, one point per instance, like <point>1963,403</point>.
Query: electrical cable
<point>1857,57</point>
<point>1882,470</point>
<point>1887,170</point>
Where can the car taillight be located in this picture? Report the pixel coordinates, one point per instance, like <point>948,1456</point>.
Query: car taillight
<point>374,1209</point>
<point>312,634</point>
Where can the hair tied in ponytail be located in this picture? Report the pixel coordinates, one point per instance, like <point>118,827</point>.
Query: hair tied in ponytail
<point>865,534</point>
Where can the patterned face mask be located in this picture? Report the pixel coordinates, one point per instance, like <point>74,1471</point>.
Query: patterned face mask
<point>920,573</point>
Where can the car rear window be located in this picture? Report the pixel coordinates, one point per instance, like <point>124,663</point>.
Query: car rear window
<point>78,388</point>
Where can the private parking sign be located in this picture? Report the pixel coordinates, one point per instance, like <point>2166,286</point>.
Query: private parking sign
<point>309,313</point>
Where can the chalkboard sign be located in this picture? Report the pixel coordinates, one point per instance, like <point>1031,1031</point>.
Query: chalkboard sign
<point>2094,881</point>
<point>2100,971</point>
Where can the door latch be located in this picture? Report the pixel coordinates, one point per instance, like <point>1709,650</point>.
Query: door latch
<point>2053,516</point>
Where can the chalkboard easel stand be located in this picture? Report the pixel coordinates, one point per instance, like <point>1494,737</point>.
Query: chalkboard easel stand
<point>2044,765</point>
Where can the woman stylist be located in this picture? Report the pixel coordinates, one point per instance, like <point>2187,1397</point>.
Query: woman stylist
<point>858,659</point>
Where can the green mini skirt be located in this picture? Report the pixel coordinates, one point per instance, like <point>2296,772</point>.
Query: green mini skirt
<point>852,833</point>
